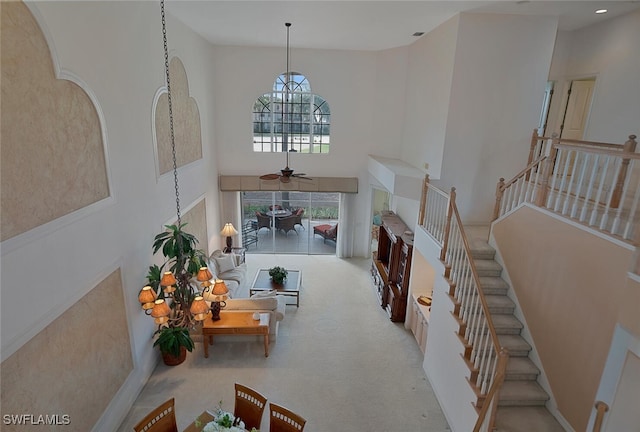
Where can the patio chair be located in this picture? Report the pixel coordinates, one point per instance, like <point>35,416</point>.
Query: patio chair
<point>264,221</point>
<point>287,224</point>
<point>298,215</point>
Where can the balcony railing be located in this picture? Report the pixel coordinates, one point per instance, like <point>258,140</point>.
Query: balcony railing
<point>596,184</point>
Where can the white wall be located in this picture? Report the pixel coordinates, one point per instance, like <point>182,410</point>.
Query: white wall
<point>350,83</point>
<point>608,51</point>
<point>501,68</point>
<point>116,49</point>
<point>428,89</point>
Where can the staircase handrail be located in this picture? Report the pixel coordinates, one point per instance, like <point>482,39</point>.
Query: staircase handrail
<point>596,150</point>
<point>491,401</point>
<point>601,409</point>
<point>533,169</point>
<point>540,147</point>
<point>432,215</point>
<point>482,352</point>
<point>476,278</point>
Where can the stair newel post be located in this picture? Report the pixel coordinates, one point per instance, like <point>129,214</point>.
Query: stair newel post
<point>499,194</point>
<point>547,172</point>
<point>447,228</point>
<point>601,408</point>
<point>629,147</point>
<point>534,143</point>
<point>423,201</point>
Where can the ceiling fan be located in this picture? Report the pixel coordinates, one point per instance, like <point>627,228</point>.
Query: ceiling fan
<point>285,174</point>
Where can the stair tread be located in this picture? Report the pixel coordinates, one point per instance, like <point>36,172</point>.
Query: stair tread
<point>522,393</point>
<point>522,366</point>
<point>480,249</point>
<point>505,321</point>
<point>497,300</point>
<point>493,281</point>
<point>485,264</point>
<point>526,419</point>
<point>515,344</point>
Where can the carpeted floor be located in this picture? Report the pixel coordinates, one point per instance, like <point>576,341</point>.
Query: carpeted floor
<point>338,360</point>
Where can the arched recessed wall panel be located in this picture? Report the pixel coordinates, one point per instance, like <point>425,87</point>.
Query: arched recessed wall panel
<point>53,159</point>
<point>186,122</point>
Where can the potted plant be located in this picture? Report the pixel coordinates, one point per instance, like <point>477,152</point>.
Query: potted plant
<point>278,274</point>
<point>183,260</point>
<point>174,342</point>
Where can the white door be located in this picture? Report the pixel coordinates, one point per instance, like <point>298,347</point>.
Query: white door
<point>577,109</point>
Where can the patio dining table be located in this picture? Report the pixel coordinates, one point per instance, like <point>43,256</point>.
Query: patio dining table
<point>279,213</point>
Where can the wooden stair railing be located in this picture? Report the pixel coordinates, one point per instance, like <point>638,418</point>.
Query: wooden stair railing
<point>487,414</point>
<point>432,215</point>
<point>483,353</point>
<point>596,184</point>
<point>477,332</point>
<point>601,409</point>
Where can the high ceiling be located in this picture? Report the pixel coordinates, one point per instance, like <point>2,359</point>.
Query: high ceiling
<point>360,24</point>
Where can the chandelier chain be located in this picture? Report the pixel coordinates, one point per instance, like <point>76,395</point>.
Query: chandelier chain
<point>173,139</point>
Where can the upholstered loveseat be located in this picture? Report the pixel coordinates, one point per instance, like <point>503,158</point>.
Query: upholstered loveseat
<point>229,268</point>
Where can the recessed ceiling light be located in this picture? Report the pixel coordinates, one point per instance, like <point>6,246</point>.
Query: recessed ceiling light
<point>601,11</point>
<point>417,34</point>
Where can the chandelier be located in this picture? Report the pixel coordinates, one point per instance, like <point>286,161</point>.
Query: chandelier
<point>173,300</point>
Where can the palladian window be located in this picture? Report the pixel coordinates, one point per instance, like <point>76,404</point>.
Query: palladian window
<point>291,118</point>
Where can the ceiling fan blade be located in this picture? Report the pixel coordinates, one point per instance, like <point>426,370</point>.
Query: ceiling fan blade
<point>299,174</point>
<point>302,177</point>
<point>269,176</point>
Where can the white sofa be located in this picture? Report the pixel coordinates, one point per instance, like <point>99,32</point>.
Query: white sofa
<point>273,304</point>
<point>229,268</point>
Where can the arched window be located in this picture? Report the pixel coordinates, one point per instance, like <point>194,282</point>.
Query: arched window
<point>291,118</point>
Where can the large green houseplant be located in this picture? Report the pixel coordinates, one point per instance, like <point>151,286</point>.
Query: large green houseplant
<point>183,260</point>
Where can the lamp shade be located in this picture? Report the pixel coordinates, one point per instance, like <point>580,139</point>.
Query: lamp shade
<point>160,311</point>
<point>147,297</point>
<point>199,308</point>
<point>228,230</point>
<point>204,274</point>
<point>168,279</point>
<point>218,292</point>
<point>220,288</point>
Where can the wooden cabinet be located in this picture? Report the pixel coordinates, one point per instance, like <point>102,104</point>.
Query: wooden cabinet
<point>391,266</point>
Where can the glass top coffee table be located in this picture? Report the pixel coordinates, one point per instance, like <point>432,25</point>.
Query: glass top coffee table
<point>290,287</point>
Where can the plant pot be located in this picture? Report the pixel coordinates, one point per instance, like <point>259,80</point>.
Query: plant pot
<point>277,285</point>
<point>171,360</point>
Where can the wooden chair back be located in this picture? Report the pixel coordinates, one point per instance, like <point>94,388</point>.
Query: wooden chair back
<point>283,420</point>
<point>161,419</point>
<point>249,406</point>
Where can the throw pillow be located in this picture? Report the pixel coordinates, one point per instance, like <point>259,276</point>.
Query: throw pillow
<point>225,263</point>
<point>265,294</point>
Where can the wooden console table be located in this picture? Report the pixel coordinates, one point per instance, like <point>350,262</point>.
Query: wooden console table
<point>235,322</point>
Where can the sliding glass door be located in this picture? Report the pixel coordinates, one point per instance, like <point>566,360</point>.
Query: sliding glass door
<point>284,222</point>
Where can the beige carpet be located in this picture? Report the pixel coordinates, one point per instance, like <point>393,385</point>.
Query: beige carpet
<point>338,361</point>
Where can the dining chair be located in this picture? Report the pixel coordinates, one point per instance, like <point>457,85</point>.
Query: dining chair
<point>263,220</point>
<point>249,406</point>
<point>298,215</point>
<point>161,419</point>
<point>283,420</point>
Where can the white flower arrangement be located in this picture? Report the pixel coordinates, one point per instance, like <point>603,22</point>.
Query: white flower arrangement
<point>224,421</point>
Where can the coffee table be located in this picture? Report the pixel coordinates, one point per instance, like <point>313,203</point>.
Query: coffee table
<point>235,322</point>
<point>290,287</point>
